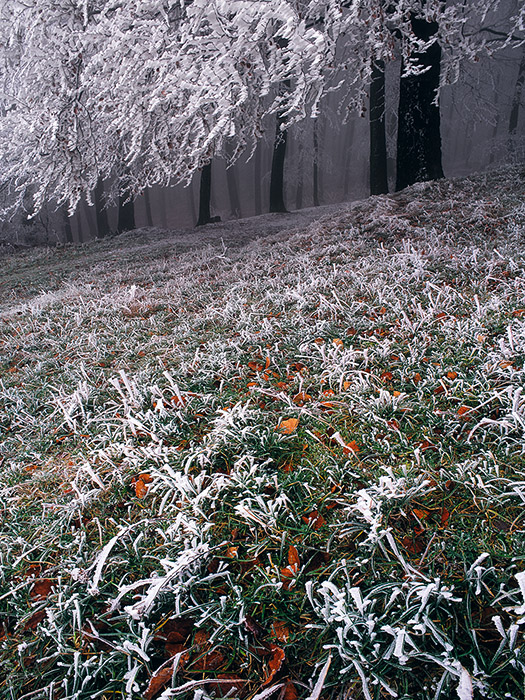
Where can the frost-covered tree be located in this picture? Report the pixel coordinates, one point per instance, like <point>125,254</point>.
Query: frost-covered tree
<point>147,92</point>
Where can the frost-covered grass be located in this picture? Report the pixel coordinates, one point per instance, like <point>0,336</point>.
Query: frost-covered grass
<point>291,468</point>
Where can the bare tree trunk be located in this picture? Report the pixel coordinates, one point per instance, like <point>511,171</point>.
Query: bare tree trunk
<point>257,177</point>
<point>378,159</point>
<point>316,163</point>
<point>91,221</point>
<point>191,202</point>
<point>419,132</point>
<point>68,231</point>
<point>205,198</point>
<point>147,205</point>
<point>300,176</point>
<point>349,141</point>
<point>516,99</point>
<point>100,210</point>
<point>233,193</point>
<point>277,175</point>
<point>126,215</point>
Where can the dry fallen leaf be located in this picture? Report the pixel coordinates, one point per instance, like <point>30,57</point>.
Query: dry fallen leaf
<point>41,588</point>
<point>288,426</point>
<point>274,664</point>
<point>351,448</point>
<point>140,488</point>
<point>314,520</point>
<point>293,557</point>
<point>280,630</point>
<point>158,681</point>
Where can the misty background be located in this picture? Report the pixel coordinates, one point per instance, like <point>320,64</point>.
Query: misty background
<point>482,125</point>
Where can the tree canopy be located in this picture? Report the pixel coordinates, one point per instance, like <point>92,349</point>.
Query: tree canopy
<point>142,93</point>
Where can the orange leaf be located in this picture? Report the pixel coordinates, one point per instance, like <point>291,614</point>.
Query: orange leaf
<point>140,488</point>
<point>146,478</point>
<point>347,385</point>
<point>290,692</point>
<point>231,552</point>
<point>352,447</point>
<point>445,515</point>
<point>463,410</point>
<point>314,519</point>
<point>338,342</point>
<point>293,557</point>
<point>256,366</point>
<point>452,375</point>
<point>274,664</point>
<point>421,514</point>
<point>301,398</point>
<point>288,426</point>
<point>387,376</point>
<point>35,619</point>
<point>417,378</point>
<point>280,630</point>
<point>42,588</point>
<point>158,681</point>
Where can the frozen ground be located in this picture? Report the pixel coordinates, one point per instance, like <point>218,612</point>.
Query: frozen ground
<point>281,457</point>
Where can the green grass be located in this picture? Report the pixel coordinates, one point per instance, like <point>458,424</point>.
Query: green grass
<point>164,533</point>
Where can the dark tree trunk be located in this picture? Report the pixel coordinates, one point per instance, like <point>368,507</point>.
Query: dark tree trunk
<point>316,163</point>
<point>277,175</point>
<point>516,99</point>
<point>300,177</point>
<point>257,179</point>
<point>68,231</point>
<point>147,205</point>
<point>378,159</point>
<point>191,202</point>
<point>91,221</point>
<point>347,156</point>
<point>419,133</point>
<point>233,193</point>
<point>126,215</point>
<point>80,228</point>
<point>101,213</point>
<point>205,198</point>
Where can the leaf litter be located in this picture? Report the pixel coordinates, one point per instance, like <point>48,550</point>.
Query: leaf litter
<point>288,465</point>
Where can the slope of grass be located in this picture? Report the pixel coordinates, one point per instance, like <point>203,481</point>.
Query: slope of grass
<point>292,468</point>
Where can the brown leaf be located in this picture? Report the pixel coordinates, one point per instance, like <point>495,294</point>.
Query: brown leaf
<point>140,488</point>
<point>293,557</point>
<point>314,520</point>
<point>280,630</point>
<point>35,619</point>
<point>158,681</point>
<point>420,513</point>
<point>445,515</point>
<point>256,366</point>
<point>209,661</point>
<point>274,664</point>
<point>288,426</point>
<point>301,398</point>
<point>463,412</point>
<point>146,478</point>
<point>290,692</point>
<point>452,375</point>
<point>351,448</point>
<point>41,588</point>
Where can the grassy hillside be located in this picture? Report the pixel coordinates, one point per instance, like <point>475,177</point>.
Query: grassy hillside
<point>288,463</point>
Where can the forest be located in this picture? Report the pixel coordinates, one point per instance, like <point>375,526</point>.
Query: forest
<point>280,455</point>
